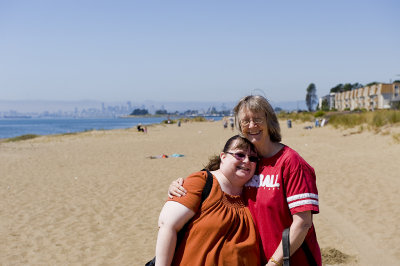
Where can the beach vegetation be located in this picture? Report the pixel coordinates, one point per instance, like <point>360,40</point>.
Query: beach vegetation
<point>22,137</point>
<point>319,113</point>
<point>198,119</point>
<point>69,133</point>
<point>396,137</point>
<point>297,116</point>
<point>334,256</point>
<point>347,120</point>
<point>185,120</point>
<point>374,120</point>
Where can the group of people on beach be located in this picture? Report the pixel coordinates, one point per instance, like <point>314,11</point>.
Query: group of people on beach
<point>260,187</point>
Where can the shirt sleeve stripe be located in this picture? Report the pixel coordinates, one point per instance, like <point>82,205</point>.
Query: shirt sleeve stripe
<point>302,196</point>
<point>303,202</point>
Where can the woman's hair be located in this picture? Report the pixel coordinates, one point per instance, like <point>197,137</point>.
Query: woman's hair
<point>235,142</point>
<point>257,103</point>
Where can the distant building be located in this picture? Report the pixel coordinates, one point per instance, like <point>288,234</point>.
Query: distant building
<point>330,98</point>
<point>377,96</point>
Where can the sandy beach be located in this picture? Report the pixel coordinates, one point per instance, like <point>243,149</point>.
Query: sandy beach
<point>93,198</point>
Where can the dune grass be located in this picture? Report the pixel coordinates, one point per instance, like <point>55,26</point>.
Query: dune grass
<point>396,137</point>
<point>22,137</point>
<point>303,116</point>
<point>362,119</point>
<point>374,120</point>
<point>185,119</point>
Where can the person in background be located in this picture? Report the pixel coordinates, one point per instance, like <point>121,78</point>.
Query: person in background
<point>232,123</point>
<point>282,194</point>
<point>140,128</point>
<point>222,232</point>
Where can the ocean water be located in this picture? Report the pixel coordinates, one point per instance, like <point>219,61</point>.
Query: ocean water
<point>13,127</point>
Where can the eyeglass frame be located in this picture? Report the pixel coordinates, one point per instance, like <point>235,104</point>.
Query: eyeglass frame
<point>238,156</point>
<point>256,121</point>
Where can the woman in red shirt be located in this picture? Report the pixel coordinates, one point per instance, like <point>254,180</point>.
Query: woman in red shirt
<point>283,193</point>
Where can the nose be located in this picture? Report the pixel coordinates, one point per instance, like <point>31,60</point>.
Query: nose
<point>246,159</point>
<point>252,123</point>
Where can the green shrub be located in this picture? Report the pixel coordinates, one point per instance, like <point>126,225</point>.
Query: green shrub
<point>23,137</point>
<point>319,114</point>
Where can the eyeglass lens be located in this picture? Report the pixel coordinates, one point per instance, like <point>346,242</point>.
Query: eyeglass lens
<point>241,156</point>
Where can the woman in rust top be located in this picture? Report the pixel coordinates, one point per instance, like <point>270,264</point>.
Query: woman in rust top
<point>222,231</point>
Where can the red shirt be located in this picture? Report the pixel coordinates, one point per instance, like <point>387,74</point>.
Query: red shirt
<point>285,185</point>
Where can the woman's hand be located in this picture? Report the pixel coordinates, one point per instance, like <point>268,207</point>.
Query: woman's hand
<point>176,188</point>
<point>302,222</point>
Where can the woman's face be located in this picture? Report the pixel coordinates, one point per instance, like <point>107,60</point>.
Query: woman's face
<point>239,163</point>
<point>254,126</point>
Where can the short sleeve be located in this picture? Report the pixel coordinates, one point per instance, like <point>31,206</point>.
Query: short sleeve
<point>301,187</point>
<point>194,184</point>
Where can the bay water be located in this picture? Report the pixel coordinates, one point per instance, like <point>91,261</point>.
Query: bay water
<point>13,127</point>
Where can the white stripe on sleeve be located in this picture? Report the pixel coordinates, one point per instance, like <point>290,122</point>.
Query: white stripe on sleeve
<point>303,202</point>
<point>302,196</point>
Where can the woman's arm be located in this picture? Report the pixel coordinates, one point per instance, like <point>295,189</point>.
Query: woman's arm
<point>172,218</point>
<point>302,222</point>
<point>176,188</point>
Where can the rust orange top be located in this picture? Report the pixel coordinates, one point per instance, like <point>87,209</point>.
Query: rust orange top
<point>221,233</point>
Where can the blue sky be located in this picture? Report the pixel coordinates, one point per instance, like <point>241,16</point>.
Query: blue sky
<point>193,50</point>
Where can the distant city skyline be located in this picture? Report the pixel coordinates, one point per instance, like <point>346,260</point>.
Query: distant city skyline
<point>185,51</point>
<point>121,108</point>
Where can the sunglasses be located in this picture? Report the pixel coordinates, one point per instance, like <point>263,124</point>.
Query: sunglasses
<point>241,156</point>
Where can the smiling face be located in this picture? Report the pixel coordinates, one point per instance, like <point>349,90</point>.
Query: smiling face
<point>251,108</point>
<point>237,163</point>
<point>254,127</point>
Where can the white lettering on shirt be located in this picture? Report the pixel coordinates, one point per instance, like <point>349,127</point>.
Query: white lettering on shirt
<point>267,181</point>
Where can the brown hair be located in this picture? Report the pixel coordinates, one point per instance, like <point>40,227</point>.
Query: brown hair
<point>237,142</point>
<point>257,103</point>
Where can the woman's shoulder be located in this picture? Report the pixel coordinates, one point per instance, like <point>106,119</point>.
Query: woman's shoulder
<point>292,158</point>
<point>197,177</point>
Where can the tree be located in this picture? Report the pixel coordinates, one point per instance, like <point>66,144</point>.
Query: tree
<point>372,83</point>
<point>161,112</point>
<point>325,105</point>
<point>311,97</point>
<point>346,87</point>
<point>138,111</point>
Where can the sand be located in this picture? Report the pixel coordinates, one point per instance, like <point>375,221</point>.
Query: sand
<point>93,198</point>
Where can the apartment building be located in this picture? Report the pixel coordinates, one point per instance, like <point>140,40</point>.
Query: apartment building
<point>377,96</point>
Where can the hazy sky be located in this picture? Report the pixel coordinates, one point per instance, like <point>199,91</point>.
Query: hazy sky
<point>193,50</point>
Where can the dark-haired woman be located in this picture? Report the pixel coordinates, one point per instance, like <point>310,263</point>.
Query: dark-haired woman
<point>222,231</point>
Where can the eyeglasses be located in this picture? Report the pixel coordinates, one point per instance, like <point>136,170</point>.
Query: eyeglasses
<point>241,156</point>
<point>256,121</point>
